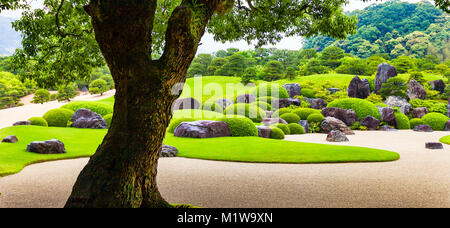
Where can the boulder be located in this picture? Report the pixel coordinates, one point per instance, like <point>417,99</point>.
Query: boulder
<point>224,102</point>
<point>186,103</point>
<point>317,103</point>
<point>337,136</point>
<point>416,90</point>
<point>438,85</point>
<point>264,132</point>
<point>285,102</point>
<point>423,128</point>
<point>434,145</point>
<point>330,123</point>
<point>271,121</point>
<point>333,90</point>
<point>305,125</point>
<point>85,118</point>
<point>358,89</point>
<point>293,89</point>
<point>246,98</point>
<point>53,146</point>
<point>448,108</point>
<point>401,103</point>
<point>349,117</point>
<point>419,112</point>
<point>384,72</point>
<point>447,126</point>
<point>10,139</point>
<point>269,114</point>
<point>25,122</point>
<point>370,122</point>
<point>202,129</point>
<point>388,116</point>
<point>387,128</point>
<point>168,151</point>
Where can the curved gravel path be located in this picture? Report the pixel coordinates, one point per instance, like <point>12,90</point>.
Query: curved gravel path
<point>421,178</point>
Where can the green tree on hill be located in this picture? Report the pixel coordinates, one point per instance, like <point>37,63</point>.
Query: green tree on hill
<point>98,86</point>
<point>272,71</point>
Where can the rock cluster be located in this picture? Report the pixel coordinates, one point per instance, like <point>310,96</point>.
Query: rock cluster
<point>202,129</point>
<point>349,117</point>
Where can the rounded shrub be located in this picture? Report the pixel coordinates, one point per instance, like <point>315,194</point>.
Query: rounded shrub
<point>253,112</point>
<point>283,127</point>
<point>315,118</point>
<point>436,121</point>
<point>303,113</point>
<point>276,133</point>
<point>270,90</point>
<point>415,121</point>
<point>362,107</point>
<point>263,105</point>
<point>58,117</point>
<point>175,122</point>
<point>240,126</point>
<point>99,108</point>
<point>309,93</point>
<point>290,117</point>
<point>41,96</point>
<point>108,119</point>
<point>281,111</point>
<point>212,106</point>
<point>266,99</point>
<point>403,121</point>
<point>38,121</point>
<point>356,126</point>
<point>296,129</point>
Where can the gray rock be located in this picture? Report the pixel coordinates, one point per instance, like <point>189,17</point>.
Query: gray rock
<point>330,123</point>
<point>349,117</point>
<point>271,121</point>
<point>317,103</point>
<point>10,139</point>
<point>448,108</point>
<point>246,98</point>
<point>19,123</point>
<point>358,89</point>
<point>423,128</point>
<point>384,72</point>
<point>293,89</point>
<point>447,126</point>
<point>85,118</point>
<point>269,114</point>
<point>264,131</point>
<point>53,146</point>
<point>186,103</point>
<point>285,102</point>
<point>202,129</point>
<point>416,90</point>
<point>438,85</point>
<point>224,102</point>
<point>333,90</point>
<point>337,136</point>
<point>168,151</point>
<point>402,104</point>
<point>370,122</point>
<point>305,125</point>
<point>434,145</point>
<point>419,112</point>
<point>388,116</point>
<point>387,128</point>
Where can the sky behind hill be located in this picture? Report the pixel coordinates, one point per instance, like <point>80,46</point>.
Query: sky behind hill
<point>209,45</point>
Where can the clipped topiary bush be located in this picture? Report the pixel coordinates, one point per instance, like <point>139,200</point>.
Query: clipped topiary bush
<point>240,126</point>
<point>253,112</point>
<point>283,127</point>
<point>356,126</point>
<point>276,133</point>
<point>290,117</point>
<point>41,96</point>
<point>315,118</point>
<point>266,99</point>
<point>175,122</point>
<point>270,90</point>
<point>296,129</point>
<point>263,105</point>
<point>38,121</point>
<point>309,93</point>
<point>108,119</point>
<point>58,117</point>
<point>281,111</point>
<point>362,107</point>
<point>403,121</point>
<point>212,106</point>
<point>99,108</point>
<point>303,113</point>
<point>436,121</point>
<point>415,121</point>
<point>431,105</point>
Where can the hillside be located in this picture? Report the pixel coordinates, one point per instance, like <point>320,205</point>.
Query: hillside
<point>9,38</point>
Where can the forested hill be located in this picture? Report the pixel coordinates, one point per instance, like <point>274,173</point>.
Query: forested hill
<point>397,28</point>
<point>9,39</point>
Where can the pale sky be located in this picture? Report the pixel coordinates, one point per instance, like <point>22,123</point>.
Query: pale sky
<point>210,46</point>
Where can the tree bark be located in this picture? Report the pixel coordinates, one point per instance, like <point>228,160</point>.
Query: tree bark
<point>122,172</point>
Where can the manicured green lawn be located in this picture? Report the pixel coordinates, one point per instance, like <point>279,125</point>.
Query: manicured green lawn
<point>445,139</point>
<point>83,143</point>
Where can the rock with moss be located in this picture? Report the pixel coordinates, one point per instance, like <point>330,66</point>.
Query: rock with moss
<point>438,85</point>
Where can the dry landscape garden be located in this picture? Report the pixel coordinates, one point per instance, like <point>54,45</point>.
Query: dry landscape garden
<point>358,116</point>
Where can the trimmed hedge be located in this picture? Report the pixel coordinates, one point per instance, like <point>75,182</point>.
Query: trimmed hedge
<point>99,108</point>
<point>315,118</point>
<point>276,133</point>
<point>303,113</point>
<point>175,122</point>
<point>266,99</point>
<point>309,93</point>
<point>362,107</point>
<point>296,129</point>
<point>283,127</point>
<point>415,121</point>
<point>403,121</point>
<point>58,117</point>
<point>253,112</point>
<point>265,90</point>
<point>436,121</point>
<point>38,121</point>
<point>108,119</point>
<point>263,105</point>
<point>281,111</point>
<point>212,106</point>
<point>240,126</point>
<point>290,117</point>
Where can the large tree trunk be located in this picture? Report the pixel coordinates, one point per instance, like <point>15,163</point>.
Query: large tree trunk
<point>122,172</point>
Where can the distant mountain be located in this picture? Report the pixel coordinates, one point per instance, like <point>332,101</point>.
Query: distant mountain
<point>9,38</point>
